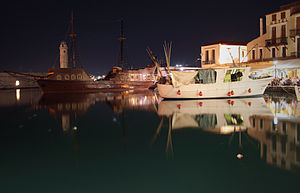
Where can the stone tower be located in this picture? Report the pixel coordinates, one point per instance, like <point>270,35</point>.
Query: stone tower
<point>63,48</point>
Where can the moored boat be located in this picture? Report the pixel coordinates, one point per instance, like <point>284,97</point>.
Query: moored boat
<point>76,79</point>
<point>213,83</point>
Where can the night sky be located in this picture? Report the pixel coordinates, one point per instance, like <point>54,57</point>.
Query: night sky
<point>31,31</point>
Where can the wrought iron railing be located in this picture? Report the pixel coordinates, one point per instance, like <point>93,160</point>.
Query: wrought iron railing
<point>276,41</point>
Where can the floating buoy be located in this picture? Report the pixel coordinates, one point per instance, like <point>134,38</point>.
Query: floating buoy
<point>232,93</point>
<point>228,94</point>
<point>200,93</point>
<point>249,103</point>
<point>249,90</point>
<point>178,92</point>
<point>239,156</point>
<point>179,106</point>
<point>201,103</point>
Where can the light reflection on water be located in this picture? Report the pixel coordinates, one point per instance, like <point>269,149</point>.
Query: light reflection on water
<point>137,141</point>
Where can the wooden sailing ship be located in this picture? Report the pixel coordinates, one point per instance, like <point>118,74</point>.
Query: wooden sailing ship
<point>75,79</point>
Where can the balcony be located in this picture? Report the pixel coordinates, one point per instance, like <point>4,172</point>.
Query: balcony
<point>276,41</point>
<point>208,62</point>
<point>294,32</point>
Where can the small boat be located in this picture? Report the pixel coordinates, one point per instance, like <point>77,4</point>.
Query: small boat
<point>75,79</point>
<point>212,83</point>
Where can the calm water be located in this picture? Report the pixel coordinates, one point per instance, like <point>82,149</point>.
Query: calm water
<point>134,142</point>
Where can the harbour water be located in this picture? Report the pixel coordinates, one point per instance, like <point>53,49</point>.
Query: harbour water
<point>135,142</point>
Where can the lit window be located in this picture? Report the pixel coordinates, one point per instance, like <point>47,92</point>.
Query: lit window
<point>17,83</point>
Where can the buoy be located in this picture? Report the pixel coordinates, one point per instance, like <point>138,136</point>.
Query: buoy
<point>178,92</point>
<point>249,90</point>
<point>200,93</point>
<point>239,156</point>
<point>232,93</point>
<point>201,103</point>
<point>249,103</point>
<point>228,94</point>
<point>179,106</point>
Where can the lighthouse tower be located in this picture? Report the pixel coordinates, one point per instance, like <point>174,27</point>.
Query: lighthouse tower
<point>63,48</point>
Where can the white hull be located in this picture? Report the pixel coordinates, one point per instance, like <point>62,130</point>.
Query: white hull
<point>245,88</point>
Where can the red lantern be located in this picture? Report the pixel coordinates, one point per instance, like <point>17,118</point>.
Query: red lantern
<point>249,90</point>
<point>228,94</point>
<point>178,92</point>
<point>232,102</point>
<point>200,93</point>
<point>179,106</point>
<point>201,103</point>
<point>228,101</point>
<point>232,93</point>
<point>249,103</point>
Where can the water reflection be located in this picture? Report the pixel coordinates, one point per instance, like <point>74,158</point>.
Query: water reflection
<point>69,106</point>
<point>278,141</point>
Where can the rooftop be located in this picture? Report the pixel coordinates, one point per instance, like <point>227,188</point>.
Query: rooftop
<point>226,42</point>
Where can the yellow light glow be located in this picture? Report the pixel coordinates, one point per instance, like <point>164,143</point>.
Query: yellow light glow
<point>17,83</point>
<point>18,95</point>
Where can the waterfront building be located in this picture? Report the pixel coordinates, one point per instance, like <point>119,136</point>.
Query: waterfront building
<point>222,53</point>
<point>281,40</point>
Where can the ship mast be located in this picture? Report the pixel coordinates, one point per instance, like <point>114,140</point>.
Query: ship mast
<point>72,36</point>
<point>121,39</point>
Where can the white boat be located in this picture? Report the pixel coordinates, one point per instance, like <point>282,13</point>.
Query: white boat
<point>213,83</point>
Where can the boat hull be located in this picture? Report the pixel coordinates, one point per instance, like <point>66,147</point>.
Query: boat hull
<point>63,86</point>
<point>215,90</point>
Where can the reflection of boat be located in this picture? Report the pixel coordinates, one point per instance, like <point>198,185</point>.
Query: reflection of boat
<point>213,83</point>
<point>216,115</point>
<point>66,79</point>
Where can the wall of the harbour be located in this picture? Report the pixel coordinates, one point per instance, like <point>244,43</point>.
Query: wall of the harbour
<point>8,81</point>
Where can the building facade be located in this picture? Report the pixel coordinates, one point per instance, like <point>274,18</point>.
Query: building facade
<point>223,52</point>
<point>282,37</point>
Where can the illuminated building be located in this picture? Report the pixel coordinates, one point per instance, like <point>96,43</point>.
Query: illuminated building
<point>281,40</point>
<point>222,53</point>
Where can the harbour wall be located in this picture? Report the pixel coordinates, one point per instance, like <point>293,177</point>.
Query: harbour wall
<point>8,80</point>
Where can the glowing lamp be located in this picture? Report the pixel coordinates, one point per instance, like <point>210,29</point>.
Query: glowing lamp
<point>17,83</point>
<point>239,156</point>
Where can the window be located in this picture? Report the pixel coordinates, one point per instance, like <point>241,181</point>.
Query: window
<point>58,77</point>
<point>283,52</point>
<point>67,77</point>
<point>253,54</point>
<point>234,75</point>
<point>273,53</point>
<point>274,17</point>
<point>253,122</point>
<point>213,55</point>
<point>73,77</point>
<point>79,76</point>
<point>283,15</point>
<point>283,31</point>
<point>207,56</point>
<point>261,123</point>
<point>260,53</point>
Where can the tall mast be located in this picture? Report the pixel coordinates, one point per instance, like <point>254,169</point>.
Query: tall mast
<point>72,36</point>
<point>121,39</point>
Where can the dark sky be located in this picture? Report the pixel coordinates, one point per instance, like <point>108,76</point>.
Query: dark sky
<point>31,31</point>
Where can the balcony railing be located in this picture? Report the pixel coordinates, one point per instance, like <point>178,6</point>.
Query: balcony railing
<point>294,32</point>
<point>276,41</point>
<point>208,62</point>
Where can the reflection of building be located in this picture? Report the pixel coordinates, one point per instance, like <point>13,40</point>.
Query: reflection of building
<point>279,143</point>
<point>223,52</point>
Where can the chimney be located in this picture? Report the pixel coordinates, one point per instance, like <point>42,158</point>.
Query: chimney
<point>261,27</point>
